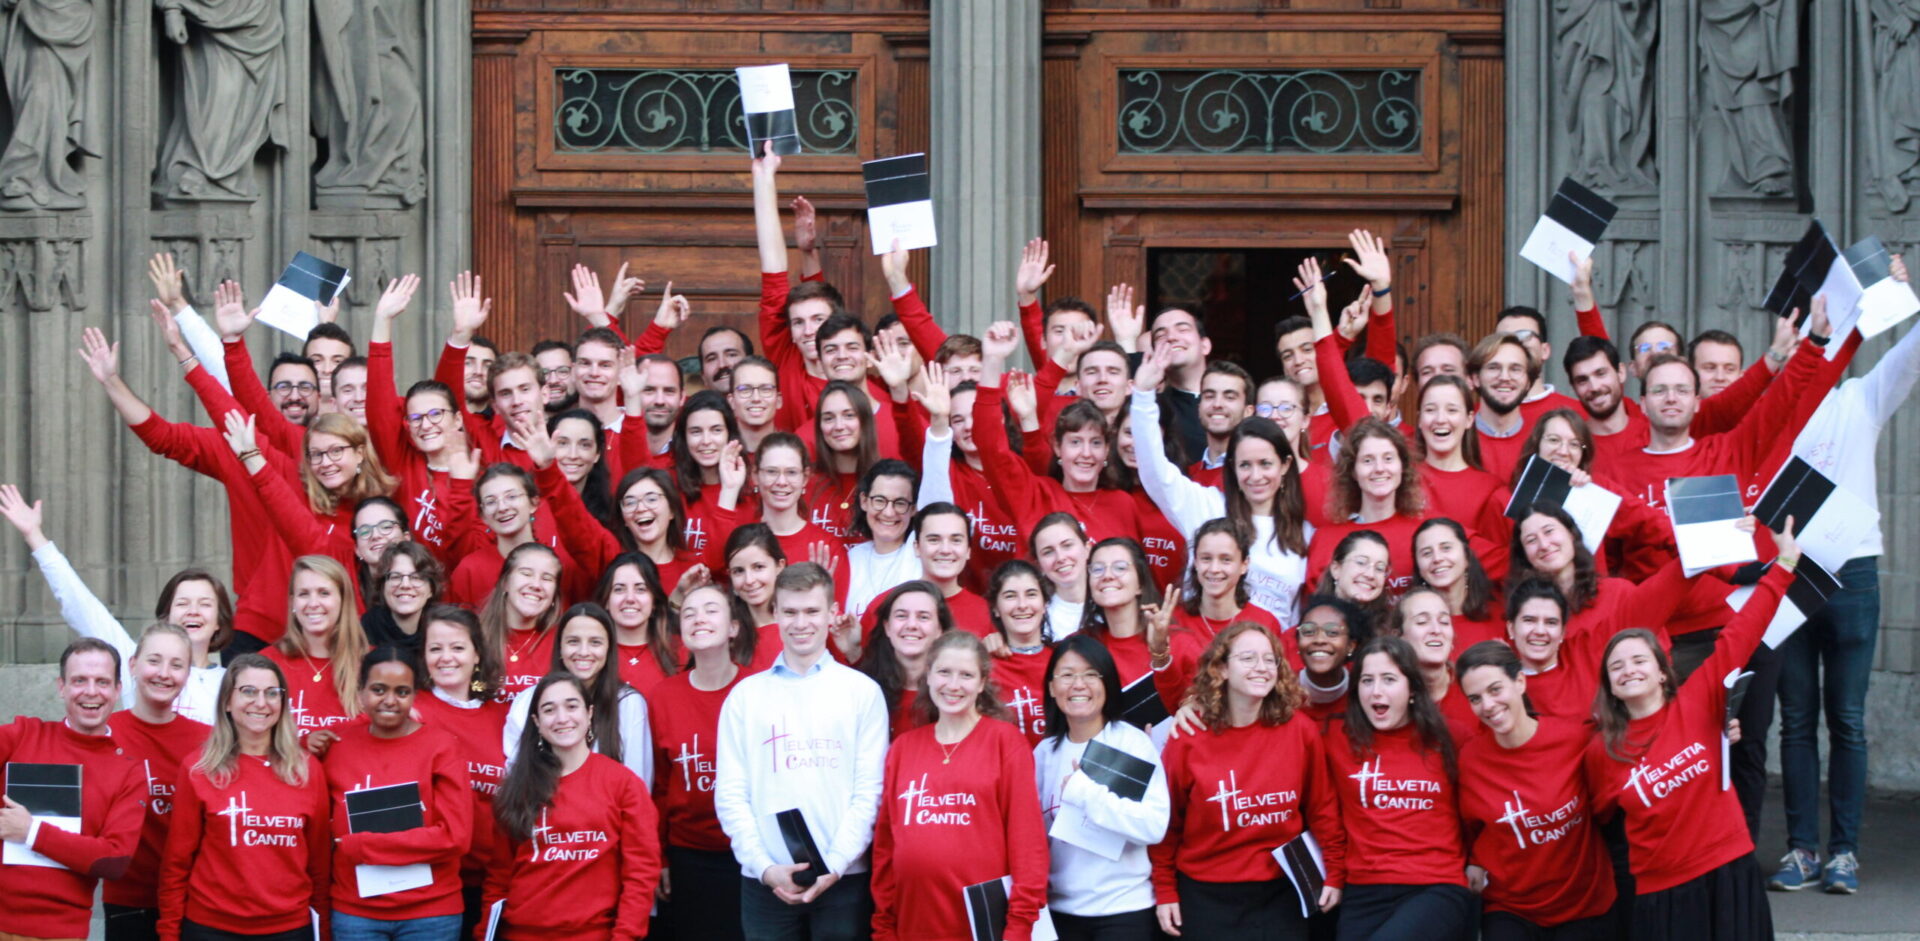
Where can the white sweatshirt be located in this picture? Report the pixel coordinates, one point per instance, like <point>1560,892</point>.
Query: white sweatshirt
<point>89,618</point>
<point>1082,882</point>
<point>872,573</point>
<point>636,737</point>
<point>1274,573</point>
<point>816,742</point>
<point>1843,434</point>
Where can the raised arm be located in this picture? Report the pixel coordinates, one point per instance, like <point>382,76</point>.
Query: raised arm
<point>766,213</point>
<point>936,456</point>
<point>1187,504</point>
<point>1585,309</point>
<point>1371,263</point>
<point>1343,400</point>
<point>233,318</point>
<point>79,607</point>
<point>1032,275</point>
<point>914,316</point>
<point>202,340</point>
<point>1014,484</point>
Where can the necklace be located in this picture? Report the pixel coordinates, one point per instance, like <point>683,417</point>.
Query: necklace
<point>316,669</point>
<point>513,653</point>
<point>946,751</point>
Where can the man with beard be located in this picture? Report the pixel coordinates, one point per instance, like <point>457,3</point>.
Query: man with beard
<point>1226,399</point>
<point>660,397</point>
<point>1620,428</point>
<point>557,391</point>
<point>1529,327</point>
<point>1502,371</point>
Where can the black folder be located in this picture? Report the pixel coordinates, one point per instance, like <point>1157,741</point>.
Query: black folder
<point>800,845</point>
<point>894,180</point>
<point>1797,491</point>
<point>1581,211</point>
<point>1140,703</point>
<point>1540,481</point>
<point>45,790</point>
<point>987,909</point>
<point>1704,499</point>
<point>1805,270</point>
<point>1303,870</point>
<point>312,277</point>
<point>388,809</point>
<point>1116,770</point>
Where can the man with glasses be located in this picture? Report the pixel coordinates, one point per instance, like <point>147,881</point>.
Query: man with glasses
<point>1529,326</point>
<point>557,391</point>
<point>754,394</point>
<point>1502,371</point>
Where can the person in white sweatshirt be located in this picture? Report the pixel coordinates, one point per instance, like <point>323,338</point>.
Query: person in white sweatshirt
<point>1827,662</point>
<point>808,735</point>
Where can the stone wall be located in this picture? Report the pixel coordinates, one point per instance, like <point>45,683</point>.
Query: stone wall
<point>232,137</point>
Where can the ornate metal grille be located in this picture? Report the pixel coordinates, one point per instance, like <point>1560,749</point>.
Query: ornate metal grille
<point>1290,111</point>
<point>658,111</point>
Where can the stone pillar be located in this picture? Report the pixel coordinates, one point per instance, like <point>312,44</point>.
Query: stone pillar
<point>985,158</point>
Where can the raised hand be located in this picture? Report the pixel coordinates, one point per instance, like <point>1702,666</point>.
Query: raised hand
<point>1158,621</point>
<point>1786,339</point>
<point>999,342</point>
<point>586,299</point>
<point>1789,547</point>
<point>25,517</point>
<point>733,467</point>
<point>892,358</point>
<point>230,314</point>
<point>330,311</point>
<point>240,434</point>
<point>1022,400</point>
<point>1153,367</point>
<point>469,310</point>
<point>463,464</point>
<point>1081,336</point>
<point>625,288</point>
<point>893,265</point>
<point>1822,327</point>
<point>530,432</point>
<point>934,396</point>
<point>1898,267</point>
<point>1354,317</point>
<point>1582,286</point>
<point>821,554</point>
<point>631,379</point>
<point>768,163</point>
<point>806,231</point>
<point>1124,318</point>
<point>102,358</point>
<point>169,330</point>
<point>396,297</point>
<point>1369,259</point>
<point>1033,271</point>
<point>674,310</point>
<point>845,631</point>
<point>169,282</point>
<point>1312,286</point>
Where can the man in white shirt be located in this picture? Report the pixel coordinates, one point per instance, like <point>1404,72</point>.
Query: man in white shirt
<point>809,734</point>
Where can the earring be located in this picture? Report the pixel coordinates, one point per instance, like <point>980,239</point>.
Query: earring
<point>477,686</point>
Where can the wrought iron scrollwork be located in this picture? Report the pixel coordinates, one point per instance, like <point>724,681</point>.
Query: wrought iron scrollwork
<point>1280,111</point>
<point>660,111</point>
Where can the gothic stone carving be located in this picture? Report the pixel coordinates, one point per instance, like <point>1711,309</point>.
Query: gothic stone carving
<point>1748,51</point>
<point>366,104</point>
<point>46,51</point>
<point>38,274</point>
<point>1892,107</point>
<point>229,98</point>
<point>1604,48</point>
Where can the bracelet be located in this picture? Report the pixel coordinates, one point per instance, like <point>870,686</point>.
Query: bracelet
<point>1383,292</point>
<point>1776,357</point>
<point>1786,563</point>
<point>190,358</point>
<point>1818,340</point>
<point>248,454</point>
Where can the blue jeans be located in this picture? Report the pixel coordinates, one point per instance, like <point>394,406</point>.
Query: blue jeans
<point>354,928</point>
<point>842,913</point>
<point>1827,663</point>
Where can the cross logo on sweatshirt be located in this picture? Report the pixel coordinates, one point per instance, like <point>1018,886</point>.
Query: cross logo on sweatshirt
<point>1224,797</point>
<point>1516,810</point>
<point>1021,699</point>
<point>1369,772</point>
<point>535,834</point>
<point>236,808</point>
<point>908,796</point>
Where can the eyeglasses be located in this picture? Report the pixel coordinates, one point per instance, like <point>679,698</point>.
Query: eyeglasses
<point>406,578</point>
<point>899,504</point>
<point>1276,410</point>
<point>1555,441</point>
<point>644,499</point>
<point>431,416</point>
<point>1510,369</point>
<point>304,388</point>
<point>557,372</point>
<point>1329,631</point>
<point>1251,660</point>
<point>1654,346</point>
<point>1098,569</point>
<point>1090,677</point>
<point>756,392</point>
<point>270,693</point>
<point>332,455</point>
<point>1525,335</point>
<point>783,473</point>
<point>382,528</point>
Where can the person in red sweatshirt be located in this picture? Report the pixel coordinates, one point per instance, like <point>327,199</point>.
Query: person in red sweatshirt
<point>940,541</point>
<point>963,809</point>
<point>249,851</point>
<point>393,748</point>
<point>1639,538</point>
<point>1393,763</point>
<point>1329,632</point>
<point>158,740</point>
<point>48,891</point>
<point>321,649</point>
<point>1443,561</point>
<point>907,621</point>
<point>1534,849</point>
<point>1657,760</point>
<point>700,884</point>
<point>647,649</point>
<point>1547,544</point>
<point>1123,604</point>
<point>1421,617</point>
<point>780,472</point>
<point>577,847</point>
<point>1374,486</point>
<point>1019,595</point>
<point>1214,873</point>
<point>461,668</point>
<point>522,616</point>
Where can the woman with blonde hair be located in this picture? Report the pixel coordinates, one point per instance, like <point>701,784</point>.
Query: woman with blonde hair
<point>248,850</point>
<point>321,649</point>
<point>1214,874</point>
<point>521,616</point>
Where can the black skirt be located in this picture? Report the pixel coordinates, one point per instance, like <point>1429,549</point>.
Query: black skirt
<point>1728,903</point>
<point>1244,911</point>
<point>1506,926</point>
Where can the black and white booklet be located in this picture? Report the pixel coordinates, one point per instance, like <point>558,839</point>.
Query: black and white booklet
<point>766,102</point>
<point>1736,683</point>
<point>1706,514</point>
<point>1300,859</point>
<point>392,808</point>
<point>1884,301</point>
<point>1116,770</point>
<point>1591,506</point>
<point>1804,273</point>
<point>307,281</point>
<point>800,846</point>
<point>899,202</point>
<point>987,906</point>
<point>1575,219</point>
<point>1828,519</point>
<point>51,793</point>
<point>1140,703</point>
<point>1812,585</point>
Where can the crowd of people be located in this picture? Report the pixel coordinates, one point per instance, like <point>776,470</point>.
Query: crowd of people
<point>852,629</point>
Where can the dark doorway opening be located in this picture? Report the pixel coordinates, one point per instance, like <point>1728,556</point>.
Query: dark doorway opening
<point>1240,294</point>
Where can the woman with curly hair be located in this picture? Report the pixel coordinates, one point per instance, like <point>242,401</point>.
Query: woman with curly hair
<point>1214,874</point>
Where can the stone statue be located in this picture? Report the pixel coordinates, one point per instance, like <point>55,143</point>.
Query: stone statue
<point>46,51</point>
<point>229,99</point>
<point>1892,108</point>
<point>1603,48</point>
<point>366,103</point>
<point>1748,51</point>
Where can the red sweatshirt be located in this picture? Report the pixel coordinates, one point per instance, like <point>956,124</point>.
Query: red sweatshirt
<point>945,825</point>
<point>1397,530</point>
<point>424,493</point>
<point>997,536</point>
<point>1473,498</point>
<point>1165,544</point>
<point>250,395</point>
<point>640,669</point>
<point>1680,824</point>
<point>45,902</point>
<point>157,751</point>
<point>1223,829</point>
<point>306,531</point>
<point>796,546</point>
<point>970,613</point>
<point>1021,681</point>
<point>311,703</point>
<point>1529,822</point>
<point>476,733</point>
<point>1398,806</point>
<point>527,657</point>
<point>1027,496</point>
<point>686,730</point>
<point>251,857</point>
<point>431,759</point>
<point>590,867</point>
<point>829,504</point>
